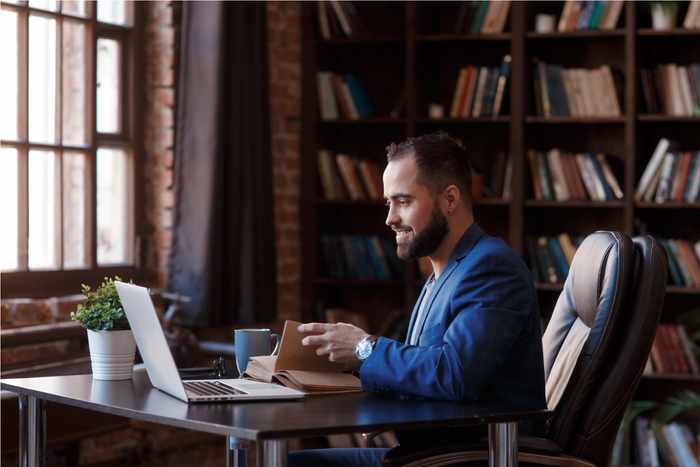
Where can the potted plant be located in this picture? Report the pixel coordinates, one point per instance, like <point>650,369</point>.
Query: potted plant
<point>112,345</point>
<point>663,15</point>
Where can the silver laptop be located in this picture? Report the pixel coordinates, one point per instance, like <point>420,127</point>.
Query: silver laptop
<point>161,366</point>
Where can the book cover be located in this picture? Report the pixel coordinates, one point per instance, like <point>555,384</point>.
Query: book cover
<point>298,367</point>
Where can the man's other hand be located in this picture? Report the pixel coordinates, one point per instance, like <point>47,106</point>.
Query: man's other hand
<point>338,341</point>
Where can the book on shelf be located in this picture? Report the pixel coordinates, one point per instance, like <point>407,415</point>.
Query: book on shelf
<point>671,89</point>
<point>342,97</point>
<point>550,257</point>
<point>500,178</point>
<point>359,257</point>
<point>672,352</point>
<point>683,262</point>
<point>648,443</point>
<point>298,367</point>
<point>480,91</point>
<point>339,19</point>
<point>692,16</point>
<point>344,177</point>
<point>584,15</point>
<point>670,176</point>
<point>576,92</point>
<point>558,176</point>
<point>482,17</point>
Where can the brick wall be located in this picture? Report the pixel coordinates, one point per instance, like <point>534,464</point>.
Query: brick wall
<point>284,42</point>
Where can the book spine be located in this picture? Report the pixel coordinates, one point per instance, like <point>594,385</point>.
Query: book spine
<point>609,176</point>
<point>546,260</point>
<point>652,167</point>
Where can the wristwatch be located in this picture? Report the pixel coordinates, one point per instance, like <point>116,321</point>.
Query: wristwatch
<point>364,348</point>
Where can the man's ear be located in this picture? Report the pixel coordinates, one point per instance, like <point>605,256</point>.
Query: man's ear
<point>452,197</point>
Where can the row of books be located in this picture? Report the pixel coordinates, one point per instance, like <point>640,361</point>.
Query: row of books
<point>589,15</point>
<point>575,92</point>
<point>683,262</point>
<point>348,178</point>
<point>339,19</point>
<point>650,444</point>
<point>342,97</point>
<point>670,175</point>
<point>480,91</point>
<point>360,257</point>
<point>672,89</point>
<point>672,352</point>
<point>551,257</point>
<point>562,176</point>
<point>482,17</point>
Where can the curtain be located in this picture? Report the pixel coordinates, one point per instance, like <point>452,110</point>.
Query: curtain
<point>223,254</point>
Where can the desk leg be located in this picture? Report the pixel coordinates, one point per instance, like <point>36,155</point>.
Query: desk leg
<point>503,444</point>
<point>235,453</point>
<point>32,432</point>
<point>272,453</point>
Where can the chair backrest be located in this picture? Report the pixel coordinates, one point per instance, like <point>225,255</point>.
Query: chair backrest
<point>618,382</point>
<point>581,341</point>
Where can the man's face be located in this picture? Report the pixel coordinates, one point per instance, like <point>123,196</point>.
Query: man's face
<point>414,214</point>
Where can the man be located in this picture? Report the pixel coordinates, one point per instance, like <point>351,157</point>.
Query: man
<point>474,333</point>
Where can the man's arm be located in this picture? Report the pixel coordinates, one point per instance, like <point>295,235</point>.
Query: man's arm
<point>490,309</point>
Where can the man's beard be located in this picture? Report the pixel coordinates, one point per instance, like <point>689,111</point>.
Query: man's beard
<point>426,242</point>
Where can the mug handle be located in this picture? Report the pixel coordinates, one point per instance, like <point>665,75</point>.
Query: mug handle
<point>277,343</point>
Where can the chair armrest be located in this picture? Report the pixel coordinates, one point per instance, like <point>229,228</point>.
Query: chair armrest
<point>447,457</point>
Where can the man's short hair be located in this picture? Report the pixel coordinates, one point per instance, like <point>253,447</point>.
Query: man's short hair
<point>441,161</point>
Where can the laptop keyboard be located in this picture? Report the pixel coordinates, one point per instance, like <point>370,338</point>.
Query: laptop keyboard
<point>211,388</point>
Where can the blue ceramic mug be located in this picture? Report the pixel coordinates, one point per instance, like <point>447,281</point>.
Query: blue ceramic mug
<point>251,343</point>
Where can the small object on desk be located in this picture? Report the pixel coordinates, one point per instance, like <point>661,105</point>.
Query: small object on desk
<point>218,370</point>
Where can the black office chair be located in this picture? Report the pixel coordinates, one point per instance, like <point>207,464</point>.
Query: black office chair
<point>595,348</point>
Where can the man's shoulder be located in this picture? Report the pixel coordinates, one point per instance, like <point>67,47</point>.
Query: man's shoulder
<point>492,249</point>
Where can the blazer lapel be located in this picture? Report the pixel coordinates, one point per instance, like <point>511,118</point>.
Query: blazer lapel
<point>468,240</point>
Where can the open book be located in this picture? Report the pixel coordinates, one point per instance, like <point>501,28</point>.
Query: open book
<point>299,367</point>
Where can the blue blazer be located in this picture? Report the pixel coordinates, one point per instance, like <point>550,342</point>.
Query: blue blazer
<point>480,339</point>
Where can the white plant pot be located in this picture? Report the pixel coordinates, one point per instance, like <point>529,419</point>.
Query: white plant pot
<point>112,354</point>
<point>662,19</point>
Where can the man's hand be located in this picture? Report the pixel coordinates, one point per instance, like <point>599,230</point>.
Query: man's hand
<point>338,341</point>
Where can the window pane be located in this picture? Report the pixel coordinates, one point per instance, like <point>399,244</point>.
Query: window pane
<point>42,79</point>
<point>113,206</point>
<point>75,191</point>
<point>114,11</point>
<point>108,82</point>
<point>8,77</point>
<point>43,210</point>
<point>74,83</point>
<point>74,7</point>
<point>51,5</point>
<point>8,208</point>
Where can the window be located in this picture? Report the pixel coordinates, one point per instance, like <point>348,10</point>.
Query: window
<point>67,142</point>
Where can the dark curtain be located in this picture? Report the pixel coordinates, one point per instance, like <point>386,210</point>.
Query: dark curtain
<point>223,254</point>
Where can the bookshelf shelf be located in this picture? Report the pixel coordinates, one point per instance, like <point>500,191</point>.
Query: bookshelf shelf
<point>491,202</point>
<point>438,38</point>
<point>574,121</point>
<point>360,41</point>
<point>462,121</point>
<point>678,32</point>
<point>675,290</point>
<point>668,205</point>
<point>366,121</point>
<point>667,118</point>
<point>333,282</point>
<point>615,33</point>
<point>349,204</point>
<point>575,204</point>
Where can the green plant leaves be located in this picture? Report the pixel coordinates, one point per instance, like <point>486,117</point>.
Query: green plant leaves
<point>102,309</point>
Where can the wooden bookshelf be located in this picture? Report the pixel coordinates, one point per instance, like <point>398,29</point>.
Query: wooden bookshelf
<point>417,51</point>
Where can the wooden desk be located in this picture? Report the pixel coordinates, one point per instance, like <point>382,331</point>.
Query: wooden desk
<point>269,424</point>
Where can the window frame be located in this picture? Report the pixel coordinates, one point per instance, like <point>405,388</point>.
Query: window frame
<point>22,282</point>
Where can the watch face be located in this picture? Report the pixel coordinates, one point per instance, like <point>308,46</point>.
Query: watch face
<point>364,349</point>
